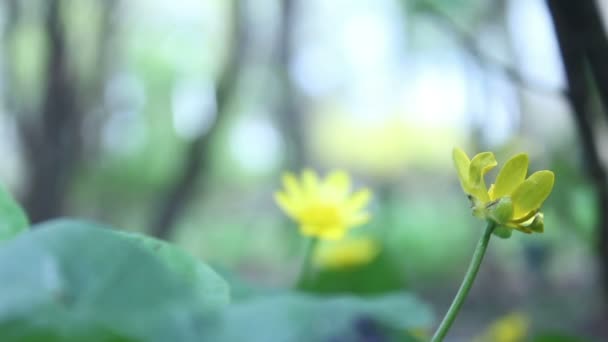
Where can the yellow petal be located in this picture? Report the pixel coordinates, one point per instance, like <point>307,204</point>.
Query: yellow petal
<point>491,192</point>
<point>462,163</point>
<point>310,182</point>
<point>520,227</point>
<point>337,184</point>
<point>286,204</point>
<point>290,182</point>
<point>512,174</point>
<point>332,233</point>
<point>531,194</point>
<point>358,200</point>
<point>480,165</point>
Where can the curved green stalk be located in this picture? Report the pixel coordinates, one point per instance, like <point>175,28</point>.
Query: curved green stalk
<point>306,267</point>
<point>466,285</point>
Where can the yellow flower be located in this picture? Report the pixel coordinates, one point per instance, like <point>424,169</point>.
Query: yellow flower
<point>514,201</point>
<point>346,253</point>
<point>420,334</point>
<point>323,208</point>
<point>511,328</point>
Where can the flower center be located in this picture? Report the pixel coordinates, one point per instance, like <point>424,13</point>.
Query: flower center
<point>321,214</point>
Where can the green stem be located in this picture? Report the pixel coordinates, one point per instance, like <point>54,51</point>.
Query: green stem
<point>306,267</point>
<point>466,285</point>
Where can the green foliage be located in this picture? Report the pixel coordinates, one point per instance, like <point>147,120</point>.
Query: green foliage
<point>557,338</point>
<point>380,276</point>
<point>209,287</point>
<point>79,281</point>
<point>291,317</point>
<point>12,217</point>
<point>414,245</point>
<point>503,232</point>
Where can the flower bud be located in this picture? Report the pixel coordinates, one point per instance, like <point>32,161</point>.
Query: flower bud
<point>538,224</point>
<point>501,211</point>
<point>503,232</point>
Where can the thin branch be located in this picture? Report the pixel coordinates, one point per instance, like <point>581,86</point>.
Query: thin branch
<point>469,43</point>
<point>197,157</point>
<point>289,113</point>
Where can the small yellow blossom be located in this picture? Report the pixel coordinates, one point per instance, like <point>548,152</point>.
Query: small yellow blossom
<point>344,254</point>
<point>514,201</point>
<point>323,208</point>
<point>421,334</point>
<point>511,328</point>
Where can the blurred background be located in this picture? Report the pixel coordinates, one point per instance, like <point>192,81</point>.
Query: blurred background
<point>177,119</point>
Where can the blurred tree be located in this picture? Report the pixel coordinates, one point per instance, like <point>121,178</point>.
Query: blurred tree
<point>484,60</point>
<point>198,152</point>
<point>584,48</point>
<point>53,141</point>
<point>290,117</point>
<point>51,129</point>
<point>11,20</point>
<point>101,70</point>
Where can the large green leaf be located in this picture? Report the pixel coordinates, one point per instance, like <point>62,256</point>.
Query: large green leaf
<point>77,281</point>
<point>294,317</point>
<point>12,217</point>
<point>210,288</point>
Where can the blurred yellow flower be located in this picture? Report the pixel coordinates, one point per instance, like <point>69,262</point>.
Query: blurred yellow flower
<point>323,208</point>
<point>511,328</point>
<point>420,334</point>
<point>344,254</point>
<point>514,201</point>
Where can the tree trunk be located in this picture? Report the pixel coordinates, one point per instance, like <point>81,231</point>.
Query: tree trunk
<point>198,154</point>
<point>53,142</point>
<point>289,115</point>
<point>583,46</point>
